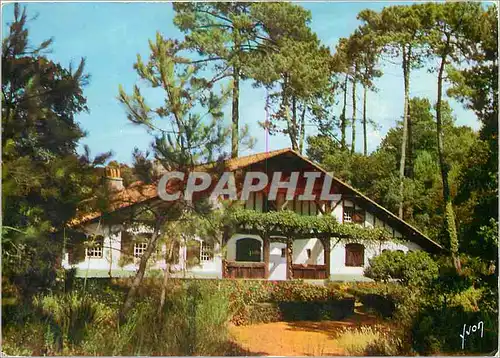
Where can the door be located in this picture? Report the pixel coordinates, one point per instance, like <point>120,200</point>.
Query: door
<point>277,261</point>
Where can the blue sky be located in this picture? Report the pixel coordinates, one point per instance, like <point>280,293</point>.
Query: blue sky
<point>109,36</point>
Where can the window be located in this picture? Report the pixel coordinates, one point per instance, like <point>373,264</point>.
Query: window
<point>354,215</point>
<point>348,212</point>
<point>354,255</point>
<point>207,252</point>
<point>140,248</point>
<point>95,248</point>
<point>248,249</point>
<point>283,252</point>
<point>309,253</point>
<point>359,216</point>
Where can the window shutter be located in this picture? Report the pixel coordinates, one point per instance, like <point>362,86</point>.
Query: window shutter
<point>193,252</point>
<point>127,246</point>
<point>354,255</point>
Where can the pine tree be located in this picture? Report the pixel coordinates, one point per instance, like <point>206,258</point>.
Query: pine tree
<point>187,131</point>
<point>223,35</point>
<point>402,32</point>
<point>44,181</point>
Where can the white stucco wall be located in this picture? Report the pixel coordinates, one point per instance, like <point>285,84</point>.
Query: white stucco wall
<point>111,249</point>
<point>337,256</point>
<point>300,248</point>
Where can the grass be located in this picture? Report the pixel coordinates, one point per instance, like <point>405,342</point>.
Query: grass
<point>355,341</point>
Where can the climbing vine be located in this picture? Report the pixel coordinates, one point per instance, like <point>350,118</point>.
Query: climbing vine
<point>291,225</point>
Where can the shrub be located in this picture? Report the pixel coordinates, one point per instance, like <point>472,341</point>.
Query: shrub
<point>413,268</point>
<point>263,313</point>
<point>388,344</point>
<point>355,341</point>
<point>383,298</point>
<point>193,322</point>
<point>69,315</point>
<point>437,330</point>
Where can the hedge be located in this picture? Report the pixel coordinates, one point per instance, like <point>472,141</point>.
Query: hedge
<point>383,298</point>
<point>250,301</point>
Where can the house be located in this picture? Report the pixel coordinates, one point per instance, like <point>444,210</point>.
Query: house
<point>245,254</point>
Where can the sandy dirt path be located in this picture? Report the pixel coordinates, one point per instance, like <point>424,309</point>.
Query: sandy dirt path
<point>303,338</point>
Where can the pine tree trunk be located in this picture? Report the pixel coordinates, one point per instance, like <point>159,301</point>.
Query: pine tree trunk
<point>410,171</point>
<point>132,292</point>
<point>450,224</point>
<point>294,132</point>
<point>235,113</point>
<point>406,75</point>
<point>166,276</point>
<point>365,140</point>
<point>302,130</point>
<point>439,127</point>
<point>290,122</point>
<point>343,124</point>
<point>353,146</point>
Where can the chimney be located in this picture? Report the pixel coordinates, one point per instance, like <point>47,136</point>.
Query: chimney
<point>113,179</point>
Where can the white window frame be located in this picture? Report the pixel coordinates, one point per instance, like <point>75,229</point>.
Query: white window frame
<point>139,248</point>
<point>206,252</point>
<point>347,214</point>
<point>97,250</point>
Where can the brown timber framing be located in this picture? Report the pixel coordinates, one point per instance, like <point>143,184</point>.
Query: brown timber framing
<point>266,253</point>
<point>289,259</point>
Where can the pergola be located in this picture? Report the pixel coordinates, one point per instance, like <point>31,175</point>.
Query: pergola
<point>286,226</point>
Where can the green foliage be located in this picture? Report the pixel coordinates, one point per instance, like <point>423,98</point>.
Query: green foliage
<point>432,332</point>
<point>194,137</point>
<point>369,341</point>
<point>44,181</point>
<point>415,268</point>
<point>70,315</point>
<point>291,224</point>
<point>296,64</point>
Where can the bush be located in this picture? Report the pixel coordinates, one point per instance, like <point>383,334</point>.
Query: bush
<point>193,322</point>
<point>437,330</point>
<point>388,344</point>
<point>413,268</point>
<point>383,298</point>
<point>70,315</point>
<point>356,341</point>
<point>292,300</point>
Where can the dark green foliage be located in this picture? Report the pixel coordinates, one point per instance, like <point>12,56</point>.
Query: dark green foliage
<point>264,312</point>
<point>382,298</point>
<point>292,224</point>
<point>415,268</point>
<point>44,181</point>
<point>438,330</point>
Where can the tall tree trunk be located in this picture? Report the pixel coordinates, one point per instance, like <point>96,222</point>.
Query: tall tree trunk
<point>294,133</point>
<point>302,129</point>
<point>132,292</point>
<point>450,224</point>
<point>235,113</point>
<point>365,141</point>
<point>343,123</point>
<point>353,146</point>
<point>290,122</point>
<point>166,276</point>
<point>406,75</point>
<point>410,171</point>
